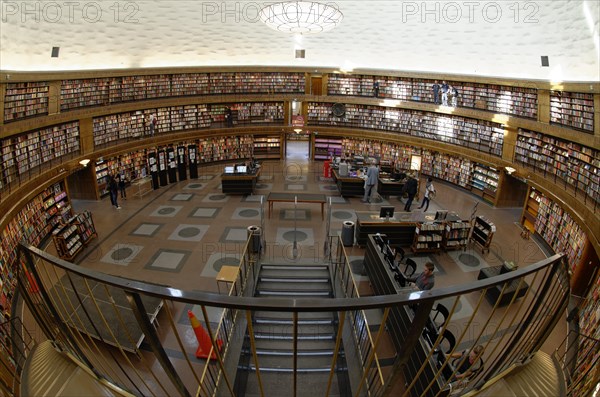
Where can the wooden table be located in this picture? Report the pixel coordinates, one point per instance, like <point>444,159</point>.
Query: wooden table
<point>227,275</point>
<point>300,197</point>
<point>388,187</point>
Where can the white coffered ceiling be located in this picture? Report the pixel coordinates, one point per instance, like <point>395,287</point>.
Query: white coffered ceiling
<point>485,38</point>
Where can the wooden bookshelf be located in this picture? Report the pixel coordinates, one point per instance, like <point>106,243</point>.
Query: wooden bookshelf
<point>85,92</point>
<point>573,110</point>
<point>589,325</point>
<point>518,101</point>
<point>576,165</point>
<point>325,147</point>
<point>24,100</point>
<point>453,169</point>
<point>31,224</point>
<point>267,147</point>
<point>456,235</point>
<point>482,232</point>
<point>548,219</point>
<point>481,135</point>
<point>73,234</point>
<point>428,237</point>
<point>484,181</point>
<point>24,152</point>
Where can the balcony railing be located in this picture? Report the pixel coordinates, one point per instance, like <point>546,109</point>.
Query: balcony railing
<point>138,335</point>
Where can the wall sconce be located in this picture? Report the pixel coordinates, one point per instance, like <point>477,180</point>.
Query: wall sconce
<point>84,162</point>
<point>297,130</point>
<point>509,170</point>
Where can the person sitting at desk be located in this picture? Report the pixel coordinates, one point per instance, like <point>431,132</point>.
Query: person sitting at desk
<point>468,364</point>
<point>426,279</point>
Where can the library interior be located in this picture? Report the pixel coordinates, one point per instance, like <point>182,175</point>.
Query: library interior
<point>159,233</point>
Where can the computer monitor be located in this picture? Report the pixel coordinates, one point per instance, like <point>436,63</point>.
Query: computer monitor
<point>242,169</point>
<point>229,170</point>
<point>441,215</point>
<point>386,212</point>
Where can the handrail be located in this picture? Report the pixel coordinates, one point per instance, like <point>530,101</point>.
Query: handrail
<point>46,272</point>
<point>290,304</point>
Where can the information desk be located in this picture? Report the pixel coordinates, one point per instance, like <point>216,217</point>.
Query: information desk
<point>349,185</point>
<point>299,197</point>
<point>238,183</point>
<point>388,187</point>
<point>399,321</point>
<point>400,229</point>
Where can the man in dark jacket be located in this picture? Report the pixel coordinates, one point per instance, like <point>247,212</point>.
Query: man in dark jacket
<point>410,188</point>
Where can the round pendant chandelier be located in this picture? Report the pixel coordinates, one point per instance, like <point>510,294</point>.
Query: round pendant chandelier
<point>301,17</point>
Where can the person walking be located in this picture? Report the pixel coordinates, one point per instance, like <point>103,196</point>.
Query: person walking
<point>429,192</point>
<point>410,188</point>
<point>371,181</point>
<point>113,190</point>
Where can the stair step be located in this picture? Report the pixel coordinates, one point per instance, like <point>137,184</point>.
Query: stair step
<point>270,279</point>
<point>293,267</point>
<point>262,314</point>
<point>290,370</point>
<point>281,384</point>
<point>286,329</point>
<point>278,321</point>
<point>300,337</point>
<point>289,353</point>
<point>299,293</point>
<point>289,273</point>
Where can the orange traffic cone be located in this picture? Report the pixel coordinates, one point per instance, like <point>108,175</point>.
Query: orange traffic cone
<point>204,344</point>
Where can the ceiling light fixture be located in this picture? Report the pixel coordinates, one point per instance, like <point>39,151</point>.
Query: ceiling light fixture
<point>301,17</point>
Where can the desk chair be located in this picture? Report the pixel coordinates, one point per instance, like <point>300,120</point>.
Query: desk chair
<point>440,309</point>
<point>400,253</point>
<point>410,268</point>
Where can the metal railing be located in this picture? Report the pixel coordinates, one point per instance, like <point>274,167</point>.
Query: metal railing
<point>136,334</point>
<point>579,357</point>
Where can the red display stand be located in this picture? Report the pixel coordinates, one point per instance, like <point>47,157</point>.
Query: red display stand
<point>327,169</point>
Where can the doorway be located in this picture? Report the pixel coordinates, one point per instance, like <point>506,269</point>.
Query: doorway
<point>297,147</point>
<point>316,85</point>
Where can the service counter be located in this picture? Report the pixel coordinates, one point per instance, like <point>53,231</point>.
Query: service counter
<point>349,186</point>
<point>400,229</point>
<point>240,183</point>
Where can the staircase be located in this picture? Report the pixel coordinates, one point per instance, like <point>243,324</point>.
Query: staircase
<point>273,332</point>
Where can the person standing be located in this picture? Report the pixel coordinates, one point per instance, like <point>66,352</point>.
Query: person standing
<point>411,188</point>
<point>445,89</point>
<point>454,93</point>
<point>122,186</point>
<point>371,181</point>
<point>436,92</point>
<point>425,280</point>
<point>376,89</point>
<point>152,124</point>
<point>113,190</point>
<point>429,192</point>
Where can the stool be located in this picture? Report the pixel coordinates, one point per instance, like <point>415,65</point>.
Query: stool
<point>227,274</point>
